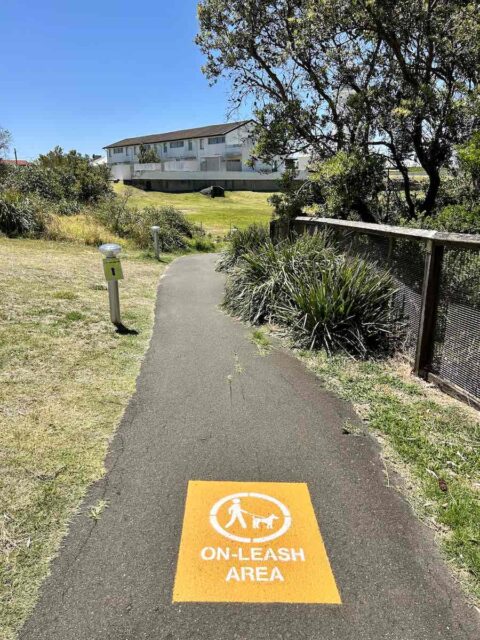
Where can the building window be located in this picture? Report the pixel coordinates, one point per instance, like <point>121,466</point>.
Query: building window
<point>176,144</point>
<point>110,153</point>
<point>201,143</point>
<point>165,147</point>
<point>190,145</point>
<point>118,150</point>
<point>216,140</point>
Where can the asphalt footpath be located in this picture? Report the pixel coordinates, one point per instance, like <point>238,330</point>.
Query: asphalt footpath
<point>209,406</point>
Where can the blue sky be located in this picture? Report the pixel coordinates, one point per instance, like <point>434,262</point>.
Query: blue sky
<point>84,73</point>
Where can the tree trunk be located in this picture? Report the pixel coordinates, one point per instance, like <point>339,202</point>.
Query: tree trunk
<point>363,211</point>
<point>428,205</point>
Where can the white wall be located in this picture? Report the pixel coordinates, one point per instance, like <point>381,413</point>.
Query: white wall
<point>121,171</point>
<point>155,172</point>
<point>237,145</point>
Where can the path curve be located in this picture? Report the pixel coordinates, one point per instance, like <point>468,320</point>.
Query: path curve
<point>113,579</point>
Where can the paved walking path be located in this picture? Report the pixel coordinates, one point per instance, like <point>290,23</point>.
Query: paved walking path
<point>114,578</point>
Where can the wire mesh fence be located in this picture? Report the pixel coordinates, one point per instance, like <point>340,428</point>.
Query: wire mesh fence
<point>436,307</point>
<point>456,349</point>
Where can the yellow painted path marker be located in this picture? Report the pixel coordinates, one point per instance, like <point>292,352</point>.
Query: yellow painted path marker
<point>252,542</point>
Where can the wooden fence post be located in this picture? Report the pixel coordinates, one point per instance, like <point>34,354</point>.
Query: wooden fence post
<point>429,306</point>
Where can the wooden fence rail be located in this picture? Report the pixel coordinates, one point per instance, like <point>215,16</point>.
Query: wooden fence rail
<point>435,243</point>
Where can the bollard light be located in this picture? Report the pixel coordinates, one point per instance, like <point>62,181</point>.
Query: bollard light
<point>110,250</point>
<point>112,268</point>
<point>156,240</point>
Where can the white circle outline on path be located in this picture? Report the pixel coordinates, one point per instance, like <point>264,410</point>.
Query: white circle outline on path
<point>217,526</point>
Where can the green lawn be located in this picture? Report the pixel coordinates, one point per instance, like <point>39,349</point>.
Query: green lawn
<point>217,215</point>
<point>431,439</point>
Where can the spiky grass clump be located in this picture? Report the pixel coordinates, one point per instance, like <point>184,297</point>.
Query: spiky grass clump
<point>325,298</point>
<point>345,306</point>
<point>241,242</point>
<point>258,286</point>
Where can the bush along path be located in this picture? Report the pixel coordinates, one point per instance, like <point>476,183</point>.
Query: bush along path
<point>235,507</point>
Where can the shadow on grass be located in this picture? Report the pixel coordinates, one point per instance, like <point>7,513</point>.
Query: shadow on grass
<point>125,331</point>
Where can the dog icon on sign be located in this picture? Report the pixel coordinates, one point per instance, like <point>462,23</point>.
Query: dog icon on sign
<point>267,522</point>
<point>250,517</point>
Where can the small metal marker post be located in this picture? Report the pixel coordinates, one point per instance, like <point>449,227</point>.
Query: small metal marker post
<point>156,241</point>
<point>113,273</point>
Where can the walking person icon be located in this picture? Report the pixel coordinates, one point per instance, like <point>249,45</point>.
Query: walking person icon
<point>236,513</point>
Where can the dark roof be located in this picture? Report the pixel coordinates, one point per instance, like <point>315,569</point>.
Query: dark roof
<point>183,134</point>
<point>20,163</point>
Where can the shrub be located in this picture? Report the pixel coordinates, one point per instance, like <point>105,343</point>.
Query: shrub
<point>67,207</point>
<point>200,243</point>
<point>456,218</point>
<point>116,214</point>
<point>240,243</point>
<point>129,222</point>
<point>43,182</point>
<point>174,228</point>
<point>20,215</point>
<point>257,286</point>
<point>325,298</point>
<point>60,177</point>
<point>344,306</point>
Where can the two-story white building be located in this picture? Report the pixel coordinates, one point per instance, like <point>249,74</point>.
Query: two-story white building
<point>192,159</point>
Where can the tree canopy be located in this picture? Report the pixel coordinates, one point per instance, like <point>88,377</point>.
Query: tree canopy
<point>5,141</point>
<point>147,154</point>
<point>378,81</point>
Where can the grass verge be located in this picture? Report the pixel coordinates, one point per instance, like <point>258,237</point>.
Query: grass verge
<point>216,215</point>
<point>65,379</point>
<point>432,439</point>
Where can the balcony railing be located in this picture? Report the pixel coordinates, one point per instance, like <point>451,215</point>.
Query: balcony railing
<point>233,150</point>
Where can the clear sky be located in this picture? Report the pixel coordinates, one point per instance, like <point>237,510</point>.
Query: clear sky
<point>85,73</point>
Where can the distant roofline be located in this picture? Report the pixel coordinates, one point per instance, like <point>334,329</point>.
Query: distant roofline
<point>181,134</point>
<point>20,163</point>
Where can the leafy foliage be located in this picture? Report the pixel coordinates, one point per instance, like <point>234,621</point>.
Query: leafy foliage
<point>5,141</point>
<point>323,297</point>
<point>59,176</point>
<point>351,182</point>
<point>292,198</point>
<point>240,242</point>
<point>396,78</point>
<point>456,218</point>
<point>147,154</point>
<point>130,222</point>
<point>20,215</point>
<point>344,306</point>
<point>469,158</point>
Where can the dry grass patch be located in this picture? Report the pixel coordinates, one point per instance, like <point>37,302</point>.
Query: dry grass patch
<point>82,228</point>
<point>65,379</point>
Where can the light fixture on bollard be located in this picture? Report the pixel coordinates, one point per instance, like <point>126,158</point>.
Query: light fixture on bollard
<point>156,241</point>
<point>112,268</point>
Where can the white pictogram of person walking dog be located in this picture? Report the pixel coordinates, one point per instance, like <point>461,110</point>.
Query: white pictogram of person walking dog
<point>237,515</point>
<point>265,527</point>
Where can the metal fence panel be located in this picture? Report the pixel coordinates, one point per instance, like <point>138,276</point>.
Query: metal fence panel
<point>456,351</point>
<point>453,353</point>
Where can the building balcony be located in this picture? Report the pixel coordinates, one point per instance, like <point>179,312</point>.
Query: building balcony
<point>233,151</point>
